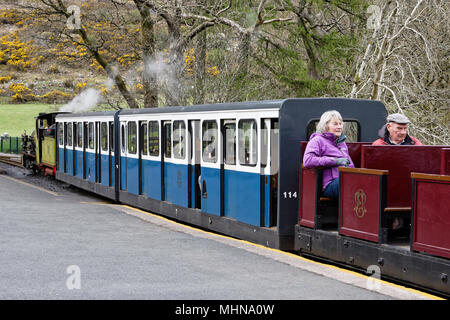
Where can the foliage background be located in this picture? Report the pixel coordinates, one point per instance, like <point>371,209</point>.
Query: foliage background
<point>145,53</point>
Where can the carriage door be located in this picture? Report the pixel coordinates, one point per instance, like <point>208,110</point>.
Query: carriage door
<point>143,151</point>
<point>269,171</point>
<point>104,155</point>
<point>152,164</point>
<point>98,173</point>
<point>166,157</point>
<point>230,175</point>
<point>123,155</point>
<point>64,126</point>
<point>210,168</point>
<point>132,166</point>
<point>194,140</point>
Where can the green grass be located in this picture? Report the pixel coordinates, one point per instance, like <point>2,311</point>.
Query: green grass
<point>15,118</point>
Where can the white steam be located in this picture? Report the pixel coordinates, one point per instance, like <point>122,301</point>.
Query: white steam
<point>83,102</point>
<point>166,74</point>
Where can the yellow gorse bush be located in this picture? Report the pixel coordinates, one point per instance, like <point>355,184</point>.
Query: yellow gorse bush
<point>21,92</point>
<point>17,53</point>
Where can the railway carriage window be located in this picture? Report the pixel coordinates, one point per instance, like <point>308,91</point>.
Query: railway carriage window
<point>168,140</point>
<point>91,135</point>
<point>144,138</point>
<point>69,134</point>
<point>104,136</point>
<point>230,143</point>
<point>111,136</point>
<point>122,135</point>
<point>132,137</point>
<point>75,134</point>
<point>264,143</point>
<point>209,141</point>
<point>80,135</point>
<point>179,139</point>
<point>153,138</point>
<point>60,133</point>
<point>351,129</point>
<point>248,142</point>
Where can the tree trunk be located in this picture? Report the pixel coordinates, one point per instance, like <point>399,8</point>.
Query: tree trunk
<point>149,79</point>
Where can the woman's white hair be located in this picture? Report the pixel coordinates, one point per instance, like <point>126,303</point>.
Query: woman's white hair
<point>322,126</point>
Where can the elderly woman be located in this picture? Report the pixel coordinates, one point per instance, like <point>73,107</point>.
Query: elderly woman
<point>326,148</point>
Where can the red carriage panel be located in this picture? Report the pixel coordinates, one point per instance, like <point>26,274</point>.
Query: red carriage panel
<point>354,150</point>
<point>362,198</point>
<point>308,196</point>
<point>445,161</point>
<point>401,161</point>
<point>431,214</point>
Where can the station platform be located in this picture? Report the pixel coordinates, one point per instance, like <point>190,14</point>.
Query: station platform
<point>71,245</point>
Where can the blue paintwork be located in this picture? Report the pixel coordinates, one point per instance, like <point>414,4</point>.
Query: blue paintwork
<point>211,204</point>
<point>242,196</point>
<point>61,159</point>
<point>79,164</point>
<point>176,183</point>
<point>69,160</point>
<point>123,173</point>
<point>105,169</point>
<point>151,179</point>
<point>267,185</point>
<point>193,183</point>
<point>90,166</point>
<point>112,170</point>
<point>132,168</point>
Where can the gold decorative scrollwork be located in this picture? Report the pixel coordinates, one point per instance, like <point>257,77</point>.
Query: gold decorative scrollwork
<point>360,201</point>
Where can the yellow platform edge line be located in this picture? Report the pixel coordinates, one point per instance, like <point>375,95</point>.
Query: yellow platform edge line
<point>29,185</point>
<point>288,254</point>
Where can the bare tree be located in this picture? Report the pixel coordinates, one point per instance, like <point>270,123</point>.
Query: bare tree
<point>403,63</point>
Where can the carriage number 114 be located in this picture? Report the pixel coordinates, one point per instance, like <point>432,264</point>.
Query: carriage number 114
<point>290,194</point>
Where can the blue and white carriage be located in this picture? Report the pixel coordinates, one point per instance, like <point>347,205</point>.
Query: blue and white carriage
<point>232,167</point>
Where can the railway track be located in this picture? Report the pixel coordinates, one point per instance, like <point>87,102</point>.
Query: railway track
<point>15,160</point>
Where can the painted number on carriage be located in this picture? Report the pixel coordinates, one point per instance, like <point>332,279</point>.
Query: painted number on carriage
<point>289,195</point>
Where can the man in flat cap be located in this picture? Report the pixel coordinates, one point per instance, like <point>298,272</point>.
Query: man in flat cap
<point>395,132</point>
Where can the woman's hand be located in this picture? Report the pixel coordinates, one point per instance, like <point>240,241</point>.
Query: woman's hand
<point>342,161</point>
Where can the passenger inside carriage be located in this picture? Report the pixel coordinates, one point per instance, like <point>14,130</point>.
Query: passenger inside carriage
<point>327,148</point>
<point>395,132</point>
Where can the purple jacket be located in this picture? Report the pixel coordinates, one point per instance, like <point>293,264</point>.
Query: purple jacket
<point>320,151</point>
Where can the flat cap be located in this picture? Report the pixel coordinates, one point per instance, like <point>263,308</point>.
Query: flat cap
<point>397,118</point>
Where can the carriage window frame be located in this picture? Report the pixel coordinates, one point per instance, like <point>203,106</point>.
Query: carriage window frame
<point>144,140</point>
<point>60,133</point>
<point>210,146</point>
<point>230,146</point>
<point>153,140</point>
<point>69,134</point>
<point>104,135</point>
<point>123,142</point>
<point>91,134</point>
<point>167,127</point>
<point>264,143</point>
<point>80,135</point>
<point>179,139</point>
<point>132,137</point>
<point>75,134</point>
<point>111,136</point>
<point>254,144</point>
<point>354,137</point>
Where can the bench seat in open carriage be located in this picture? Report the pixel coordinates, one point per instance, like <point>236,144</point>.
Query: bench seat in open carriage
<point>393,166</point>
<point>315,210</point>
<point>431,214</point>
